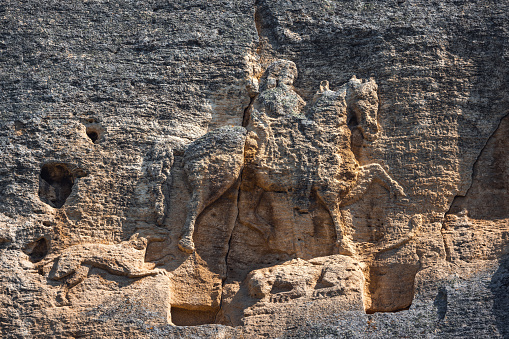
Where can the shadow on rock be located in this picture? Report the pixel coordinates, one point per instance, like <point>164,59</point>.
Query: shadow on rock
<point>499,286</point>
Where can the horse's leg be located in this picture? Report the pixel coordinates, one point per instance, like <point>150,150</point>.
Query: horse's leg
<point>194,208</point>
<point>343,244</point>
<point>368,174</point>
<point>203,195</point>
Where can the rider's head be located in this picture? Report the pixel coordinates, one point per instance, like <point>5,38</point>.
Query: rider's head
<point>281,72</point>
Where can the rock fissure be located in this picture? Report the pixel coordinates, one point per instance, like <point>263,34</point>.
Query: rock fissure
<point>227,267</point>
<point>454,209</point>
<point>258,26</point>
<point>247,111</point>
<point>475,163</point>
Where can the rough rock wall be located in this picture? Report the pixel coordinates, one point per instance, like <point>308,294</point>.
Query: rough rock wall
<point>364,207</point>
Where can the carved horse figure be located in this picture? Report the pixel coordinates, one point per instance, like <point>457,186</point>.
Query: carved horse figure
<point>286,148</point>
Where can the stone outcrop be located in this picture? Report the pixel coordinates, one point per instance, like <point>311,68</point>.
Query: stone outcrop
<point>254,169</point>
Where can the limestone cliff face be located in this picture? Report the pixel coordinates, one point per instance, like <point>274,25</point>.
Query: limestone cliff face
<point>254,169</point>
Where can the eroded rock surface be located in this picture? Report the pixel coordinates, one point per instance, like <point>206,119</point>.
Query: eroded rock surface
<point>254,169</point>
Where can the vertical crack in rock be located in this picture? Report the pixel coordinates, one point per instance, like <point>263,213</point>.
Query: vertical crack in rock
<point>245,120</point>
<point>247,111</point>
<point>258,57</point>
<point>258,26</point>
<point>267,40</point>
<point>261,46</point>
<point>228,251</point>
<point>443,230</point>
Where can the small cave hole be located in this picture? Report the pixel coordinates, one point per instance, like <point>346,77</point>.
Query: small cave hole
<point>95,133</point>
<point>92,135</point>
<point>38,250</point>
<point>94,129</point>
<point>56,182</point>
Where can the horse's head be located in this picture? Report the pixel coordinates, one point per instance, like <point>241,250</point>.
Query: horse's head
<point>362,101</point>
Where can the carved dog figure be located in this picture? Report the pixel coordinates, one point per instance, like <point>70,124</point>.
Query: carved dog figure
<point>125,259</point>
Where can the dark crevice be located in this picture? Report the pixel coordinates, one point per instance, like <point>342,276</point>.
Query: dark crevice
<point>474,172</point>
<point>247,111</point>
<point>55,183</point>
<point>228,250</point>
<point>38,250</point>
<point>372,311</point>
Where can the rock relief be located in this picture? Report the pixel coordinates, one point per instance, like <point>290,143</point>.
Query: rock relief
<point>73,264</point>
<point>317,278</point>
<point>290,147</point>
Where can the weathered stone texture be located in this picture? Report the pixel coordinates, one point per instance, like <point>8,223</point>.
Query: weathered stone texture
<point>217,169</point>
